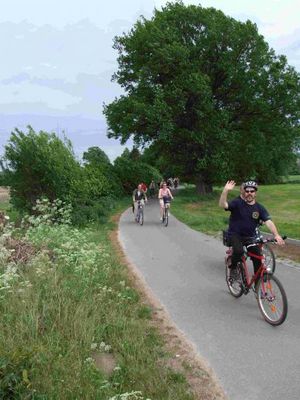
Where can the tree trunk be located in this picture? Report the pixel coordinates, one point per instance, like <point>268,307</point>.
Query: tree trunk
<point>203,187</point>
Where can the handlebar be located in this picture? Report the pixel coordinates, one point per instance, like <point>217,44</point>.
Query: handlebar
<point>269,240</point>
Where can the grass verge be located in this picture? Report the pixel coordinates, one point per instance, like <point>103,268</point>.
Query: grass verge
<point>73,326</point>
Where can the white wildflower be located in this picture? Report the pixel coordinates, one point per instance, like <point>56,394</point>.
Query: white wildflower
<point>107,347</point>
<point>89,361</point>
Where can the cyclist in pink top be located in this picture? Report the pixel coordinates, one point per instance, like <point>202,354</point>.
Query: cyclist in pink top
<point>164,195</point>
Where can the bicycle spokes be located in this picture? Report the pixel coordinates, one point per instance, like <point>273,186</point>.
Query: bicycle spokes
<point>272,300</point>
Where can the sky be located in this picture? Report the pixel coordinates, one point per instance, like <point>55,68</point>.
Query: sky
<point>57,59</point>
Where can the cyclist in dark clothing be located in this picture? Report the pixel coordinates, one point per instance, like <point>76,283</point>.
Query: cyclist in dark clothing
<point>138,195</point>
<point>246,215</point>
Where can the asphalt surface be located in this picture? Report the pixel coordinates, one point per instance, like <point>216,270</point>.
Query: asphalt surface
<point>185,270</point>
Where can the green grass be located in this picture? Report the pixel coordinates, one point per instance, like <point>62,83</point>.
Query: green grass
<point>202,213</point>
<point>73,295</point>
<point>9,210</point>
<point>291,179</point>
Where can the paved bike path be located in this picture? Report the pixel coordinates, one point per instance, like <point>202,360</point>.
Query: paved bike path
<point>185,270</point>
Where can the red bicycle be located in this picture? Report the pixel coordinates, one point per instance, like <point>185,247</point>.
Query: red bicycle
<point>269,292</point>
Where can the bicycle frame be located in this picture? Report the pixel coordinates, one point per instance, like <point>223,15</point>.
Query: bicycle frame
<point>166,205</point>
<point>166,208</point>
<point>249,281</point>
<point>259,273</point>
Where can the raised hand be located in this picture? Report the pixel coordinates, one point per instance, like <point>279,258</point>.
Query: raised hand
<point>229,185</point>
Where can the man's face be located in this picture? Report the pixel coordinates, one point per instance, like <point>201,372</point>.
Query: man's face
<point>139,187</point>
<point>249,195</point>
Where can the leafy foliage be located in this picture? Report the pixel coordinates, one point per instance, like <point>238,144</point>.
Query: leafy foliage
<point>132,171</point>
<point>40,165</point>
<point>100,175</point>
<point>209,93</point>
<point>96,156</point>
<point>14,380</point>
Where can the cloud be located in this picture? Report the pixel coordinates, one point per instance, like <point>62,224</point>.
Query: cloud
<point>25,92</point>
<point>59,13</point>
<point>83,132</point>
<point>68,69</point>
<point>19,78</point>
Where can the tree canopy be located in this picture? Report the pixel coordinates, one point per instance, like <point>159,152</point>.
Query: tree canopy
<point>208,93</point>
<point>96,156</point>
<point>131,170</point>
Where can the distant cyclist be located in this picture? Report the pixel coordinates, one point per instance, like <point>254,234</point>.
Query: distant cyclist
<point>138,195</point>
<point>164,196</point>
<point>152,188</point>
<point>176,182</point>
<point>144,187</point>
<point>245,217</point>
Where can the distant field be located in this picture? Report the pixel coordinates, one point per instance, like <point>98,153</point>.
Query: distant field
<point>203,213</point>
<point>4,194</point>
<point>4,198</point>
<point>291,179</point>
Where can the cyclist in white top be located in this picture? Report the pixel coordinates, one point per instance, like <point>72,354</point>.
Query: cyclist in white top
<point>164,195</point>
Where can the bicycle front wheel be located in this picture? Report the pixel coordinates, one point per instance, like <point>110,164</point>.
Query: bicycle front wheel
<point>141,217</point>
<point>234,281</point>
<point>269,257</point>
<point>166,219</point>
<point>272,300</point>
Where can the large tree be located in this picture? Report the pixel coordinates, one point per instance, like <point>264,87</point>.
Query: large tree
<point>208,92</point>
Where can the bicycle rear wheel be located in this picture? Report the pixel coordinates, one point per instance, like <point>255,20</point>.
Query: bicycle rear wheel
<point>271,299</point>
<point>234,284</point>
<point>269,257</point>
<point>166,217</point>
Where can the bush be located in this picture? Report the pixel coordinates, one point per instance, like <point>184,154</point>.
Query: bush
<point>40,165</point>
<point>92,211</point>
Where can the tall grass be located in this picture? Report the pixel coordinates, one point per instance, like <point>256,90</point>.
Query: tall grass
<point>68,313</point>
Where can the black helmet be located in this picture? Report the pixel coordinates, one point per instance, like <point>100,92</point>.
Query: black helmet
<point>250,184</point>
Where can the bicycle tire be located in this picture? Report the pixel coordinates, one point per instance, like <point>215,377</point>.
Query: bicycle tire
<point>141,217</point>
<point>273,302</point>
<point>166,219</point>
<point>137,217</point>
<point>269,257</point>
<point>235,286</point>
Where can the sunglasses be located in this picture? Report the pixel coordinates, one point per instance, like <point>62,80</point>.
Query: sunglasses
<point>250,191</point>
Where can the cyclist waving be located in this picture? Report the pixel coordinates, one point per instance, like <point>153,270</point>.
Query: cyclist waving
<point>244,219</point>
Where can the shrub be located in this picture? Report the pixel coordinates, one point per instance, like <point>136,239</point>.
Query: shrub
<point>40,165</point>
